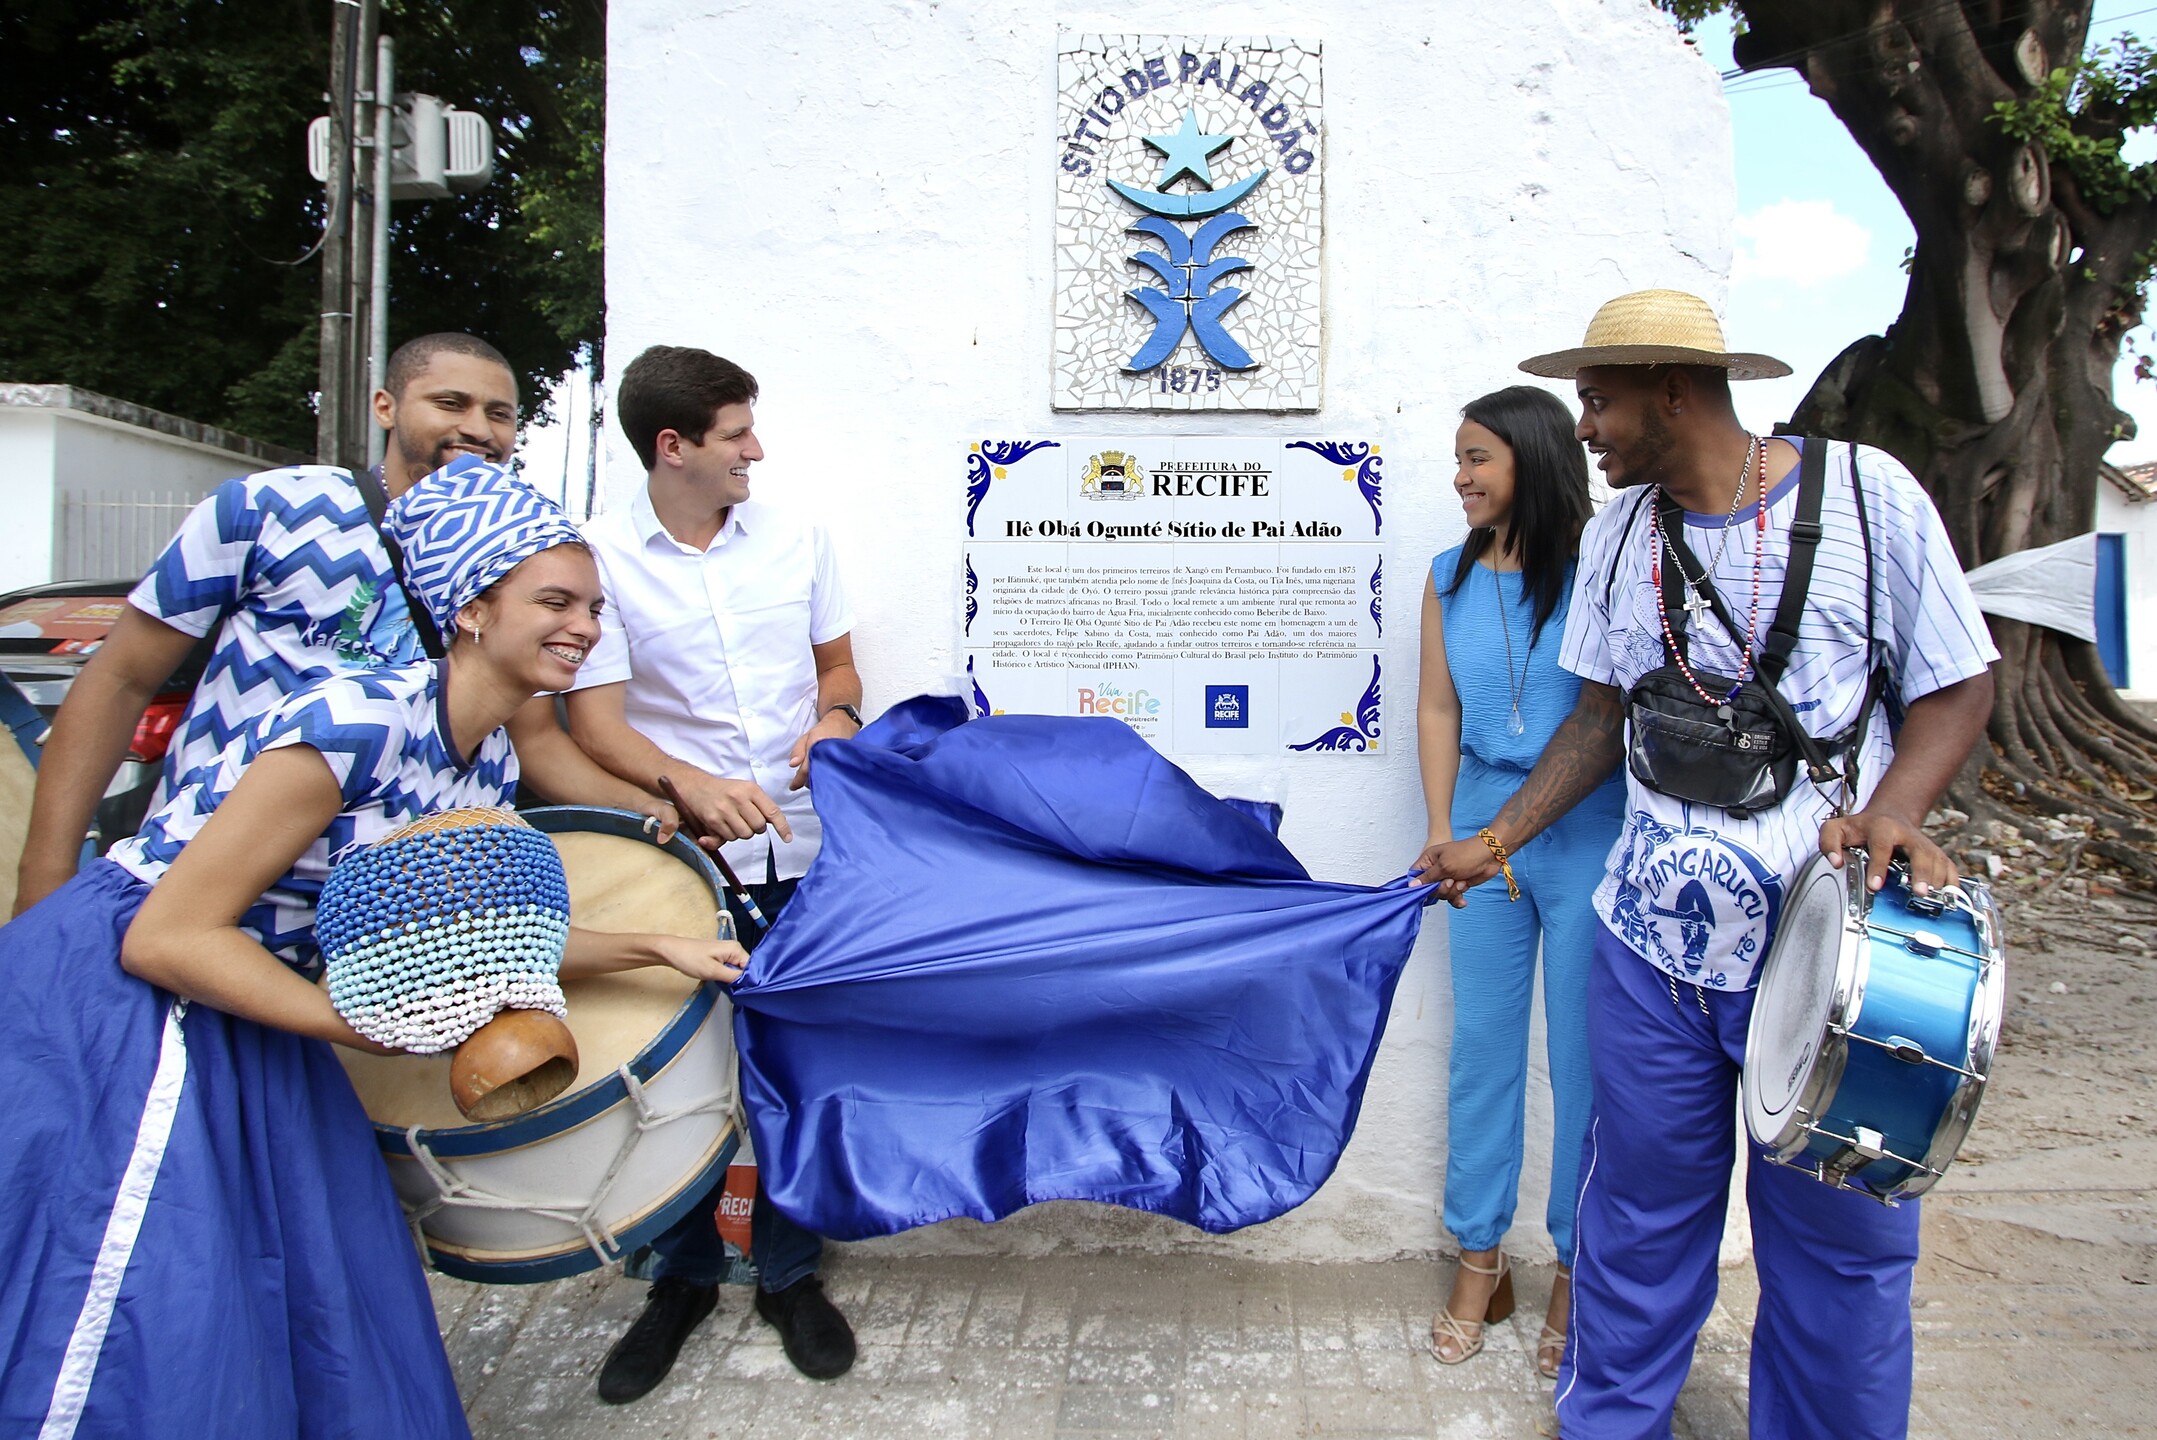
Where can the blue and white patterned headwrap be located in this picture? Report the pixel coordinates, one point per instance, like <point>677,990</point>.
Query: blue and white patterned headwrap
<point>466,526</point>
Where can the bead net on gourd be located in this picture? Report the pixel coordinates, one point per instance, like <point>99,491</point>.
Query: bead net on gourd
<point>431,931</point>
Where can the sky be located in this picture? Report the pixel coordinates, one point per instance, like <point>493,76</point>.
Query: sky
<point>1819,242</point>
<point>1816,257</point>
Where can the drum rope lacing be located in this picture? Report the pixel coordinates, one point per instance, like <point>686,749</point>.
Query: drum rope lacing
<point>453,1190</point>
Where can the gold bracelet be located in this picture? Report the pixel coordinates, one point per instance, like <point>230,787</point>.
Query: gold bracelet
<point>1505,863</point>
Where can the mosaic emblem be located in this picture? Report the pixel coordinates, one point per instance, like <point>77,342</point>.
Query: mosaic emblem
<point>1206,152</point>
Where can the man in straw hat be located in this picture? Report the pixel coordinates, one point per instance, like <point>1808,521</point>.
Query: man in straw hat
<point>1668,1013</point>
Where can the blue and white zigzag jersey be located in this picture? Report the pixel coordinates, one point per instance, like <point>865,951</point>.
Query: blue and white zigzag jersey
<point>288,561</point>
<point>386,738</point>
<point>1691,887</point>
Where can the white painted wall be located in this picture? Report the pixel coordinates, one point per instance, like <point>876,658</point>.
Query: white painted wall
<point>854,200</point>
<point>48,450</point>
<point>2115,516</point>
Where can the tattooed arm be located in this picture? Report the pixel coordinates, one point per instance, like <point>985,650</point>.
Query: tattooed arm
<point>1579,757</point>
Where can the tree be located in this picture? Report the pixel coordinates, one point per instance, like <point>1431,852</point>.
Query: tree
<point>2035,244</point>
<point>162,221</point>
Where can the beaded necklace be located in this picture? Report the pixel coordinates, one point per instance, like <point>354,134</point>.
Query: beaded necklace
<point>1756,461</point>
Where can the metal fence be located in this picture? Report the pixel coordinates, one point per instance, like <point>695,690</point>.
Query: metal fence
<point>115,537</point>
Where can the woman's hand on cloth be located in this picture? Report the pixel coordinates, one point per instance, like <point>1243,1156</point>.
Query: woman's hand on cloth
<point>604,952</point>
<point>721,960</point>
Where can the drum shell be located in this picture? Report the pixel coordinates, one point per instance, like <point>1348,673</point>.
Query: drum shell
<point>1904,979</point>
<point>1907,997</point>
<point>535,1173</point>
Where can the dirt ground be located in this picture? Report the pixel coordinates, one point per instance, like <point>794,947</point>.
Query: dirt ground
<point>2037,1290</point>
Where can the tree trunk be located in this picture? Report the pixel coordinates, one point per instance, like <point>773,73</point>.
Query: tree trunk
<point>1995,384</point>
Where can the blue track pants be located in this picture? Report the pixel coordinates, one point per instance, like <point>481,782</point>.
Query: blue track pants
<point>1493,944</point>
<point>1831,1346</point>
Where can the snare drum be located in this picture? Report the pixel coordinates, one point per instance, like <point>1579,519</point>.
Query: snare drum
<point>1873,1028</point>
<point>644,1132</point>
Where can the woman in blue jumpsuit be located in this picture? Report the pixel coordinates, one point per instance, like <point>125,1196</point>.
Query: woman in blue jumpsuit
<point>202,1237</point>
<point>1491,695</point>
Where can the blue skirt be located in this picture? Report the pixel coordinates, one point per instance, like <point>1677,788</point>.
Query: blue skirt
<point>200,1235</point>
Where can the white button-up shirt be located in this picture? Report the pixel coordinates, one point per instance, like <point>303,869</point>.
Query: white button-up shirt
<point>714,647</point>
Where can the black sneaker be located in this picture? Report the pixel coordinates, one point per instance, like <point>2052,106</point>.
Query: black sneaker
<point>642,1357</point>
<point>816,1336</point>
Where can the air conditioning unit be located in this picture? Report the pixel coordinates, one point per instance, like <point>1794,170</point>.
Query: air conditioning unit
<point>440,150</point>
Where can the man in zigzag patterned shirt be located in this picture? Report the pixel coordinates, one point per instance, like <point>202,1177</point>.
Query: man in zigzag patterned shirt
<point>290,570</point>
<point>1691,892</point>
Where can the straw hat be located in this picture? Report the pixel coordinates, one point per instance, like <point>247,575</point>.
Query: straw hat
<point>1655,327</point>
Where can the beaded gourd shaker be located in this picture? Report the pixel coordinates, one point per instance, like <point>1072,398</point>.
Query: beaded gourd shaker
<point>432,931</point>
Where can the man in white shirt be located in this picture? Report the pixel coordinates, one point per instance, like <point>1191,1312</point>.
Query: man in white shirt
<point>728,655</point>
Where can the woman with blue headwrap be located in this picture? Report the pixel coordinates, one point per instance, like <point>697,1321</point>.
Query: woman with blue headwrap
<point>201,1235</point>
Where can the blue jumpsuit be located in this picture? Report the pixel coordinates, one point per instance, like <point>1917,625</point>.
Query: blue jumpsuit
<point>1493,941</point>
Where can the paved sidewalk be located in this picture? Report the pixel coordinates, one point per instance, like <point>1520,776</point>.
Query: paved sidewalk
<point>2036,1295</point>
<point>2022,1331</point>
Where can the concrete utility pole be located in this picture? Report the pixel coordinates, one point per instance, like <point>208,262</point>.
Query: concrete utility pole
<point>385,150</point>
<point>367,204</point>
<point>332,417</point>
<point>374,147</point>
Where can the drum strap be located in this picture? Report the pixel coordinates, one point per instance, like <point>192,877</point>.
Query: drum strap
<point>1836,758</point>
<point>377,498</point>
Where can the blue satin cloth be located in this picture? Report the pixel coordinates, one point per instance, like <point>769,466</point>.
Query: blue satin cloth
<point>1035,961</point>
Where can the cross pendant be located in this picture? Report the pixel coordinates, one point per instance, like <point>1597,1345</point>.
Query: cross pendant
<point>1696,605</point>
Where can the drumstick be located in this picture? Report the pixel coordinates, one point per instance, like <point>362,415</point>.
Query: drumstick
<point>697,831</point>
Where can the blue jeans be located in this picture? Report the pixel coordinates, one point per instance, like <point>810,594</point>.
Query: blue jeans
<point>690,1249</point>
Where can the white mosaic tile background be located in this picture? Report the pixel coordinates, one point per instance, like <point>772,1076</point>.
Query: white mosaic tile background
<point>1101,127</point>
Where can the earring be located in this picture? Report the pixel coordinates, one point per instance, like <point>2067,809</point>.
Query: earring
<point>475,635</point>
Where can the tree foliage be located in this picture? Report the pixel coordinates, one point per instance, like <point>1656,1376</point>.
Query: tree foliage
<point>153,169</point>
<point>2001,139</point>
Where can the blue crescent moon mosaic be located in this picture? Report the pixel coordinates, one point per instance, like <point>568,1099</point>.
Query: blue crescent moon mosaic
<point>1186,302</point>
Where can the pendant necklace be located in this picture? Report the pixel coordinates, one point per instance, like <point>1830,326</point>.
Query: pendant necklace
<point>1696,604</point>
<point>1756,456</point>
<point>1514,725</point>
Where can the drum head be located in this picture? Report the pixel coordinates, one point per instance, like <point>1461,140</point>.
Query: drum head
<point>1790,1010</point>
<point>17,780</point>
<point>618,884</point>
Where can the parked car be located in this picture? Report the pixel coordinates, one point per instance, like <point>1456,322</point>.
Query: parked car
<point>47,633</point>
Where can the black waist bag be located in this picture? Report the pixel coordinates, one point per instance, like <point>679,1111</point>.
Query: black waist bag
<point>1738,756</point>
<point>1745,754</point>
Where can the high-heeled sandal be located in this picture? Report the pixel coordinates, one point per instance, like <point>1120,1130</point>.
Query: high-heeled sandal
<point>1550,1343</point>
<point>1468,1334</point>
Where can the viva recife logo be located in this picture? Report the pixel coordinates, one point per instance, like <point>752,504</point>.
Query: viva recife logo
<point>1112,475</point>
<point>1108,698</point>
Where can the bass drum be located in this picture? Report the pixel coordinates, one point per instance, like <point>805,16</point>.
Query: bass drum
<point>646,1129</point>
<point>1873,1030</point>
<point>22,730</point>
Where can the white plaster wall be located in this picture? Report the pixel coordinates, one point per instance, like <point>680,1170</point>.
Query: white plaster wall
<point>28,499</point>
<point>46,452</point>
<point>2139,524</point>
<point>855,201</point>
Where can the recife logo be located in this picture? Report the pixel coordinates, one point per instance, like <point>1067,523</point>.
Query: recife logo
<point>1228,707</point>
<point>1136,708</point>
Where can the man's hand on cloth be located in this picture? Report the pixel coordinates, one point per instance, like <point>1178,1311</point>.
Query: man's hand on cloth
<point>1455,867</point>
